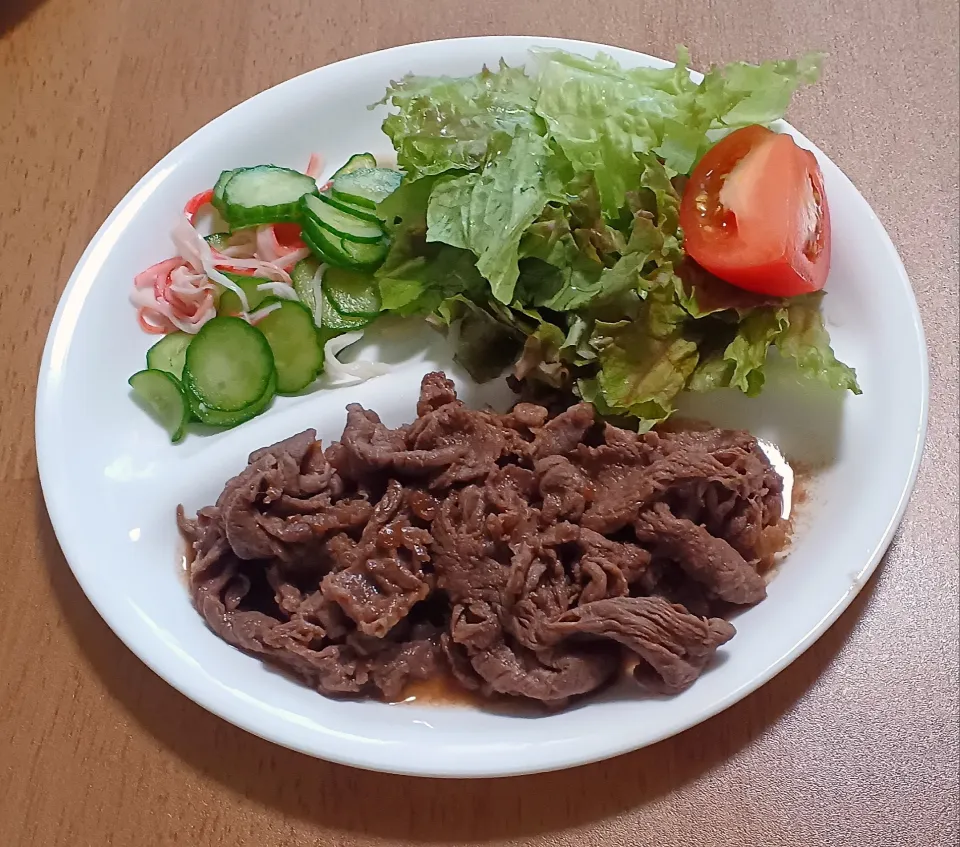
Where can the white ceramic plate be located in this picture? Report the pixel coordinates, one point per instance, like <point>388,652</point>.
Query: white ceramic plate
<point>112,480</point>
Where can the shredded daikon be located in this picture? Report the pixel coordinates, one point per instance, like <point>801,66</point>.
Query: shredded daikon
<point>279,289</point>
<point>261,313</point>
<point>349,372</point>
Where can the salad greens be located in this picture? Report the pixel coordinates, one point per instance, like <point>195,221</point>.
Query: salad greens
<point>534,215</point>
<point>539,212</point>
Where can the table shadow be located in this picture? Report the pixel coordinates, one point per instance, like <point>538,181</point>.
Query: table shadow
<point>393,807</point>
<point>13,12</point>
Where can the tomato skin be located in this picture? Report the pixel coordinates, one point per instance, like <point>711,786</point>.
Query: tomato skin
<point>288,235</point>
<point>774,236</point>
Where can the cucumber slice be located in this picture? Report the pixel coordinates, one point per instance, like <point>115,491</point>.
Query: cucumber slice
<point>169,353</point>
<point>365,256</point>
<point>311,239</point>
<point>367,186</point>
<point>326,318</point>
<point>352,294</point>
<point>162,394</point>
<point>218,240</point>
<point>229,364</point>
<point>302,277</point>
<point>333,323</point>
<point>355,162</point>
<point>340,223</point>
<point>361,212</point>
<point>297,354</point>
<point>337,251</point>
<point>218,188</point>
<point>265,194</point>
<point>214,417</point>
<point>229,303</point>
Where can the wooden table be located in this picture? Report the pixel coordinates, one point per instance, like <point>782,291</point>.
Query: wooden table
<point>856,744</point>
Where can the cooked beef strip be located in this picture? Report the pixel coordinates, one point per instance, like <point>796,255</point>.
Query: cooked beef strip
<point>525,554</point>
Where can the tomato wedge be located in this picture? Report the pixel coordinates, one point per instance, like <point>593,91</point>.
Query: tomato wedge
<point>755,214</point>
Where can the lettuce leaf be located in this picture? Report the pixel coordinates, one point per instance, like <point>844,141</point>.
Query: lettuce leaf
<point>748,350</point>
<point>645,364</point>
<point>488,212</point>
<point>740,94</point>
<point>703,294</point>
<point>602,116</point>
<point>596,263</point>
<point>485,346</point>
<point>796,329</point>
<point>806,341</point>
<point>541,359</point>
<point>444,123</point>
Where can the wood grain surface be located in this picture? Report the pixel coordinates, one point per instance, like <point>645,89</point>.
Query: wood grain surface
<point>855,744</point>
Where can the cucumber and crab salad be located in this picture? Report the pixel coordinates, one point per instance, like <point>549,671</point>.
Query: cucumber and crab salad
<point>263,332</point>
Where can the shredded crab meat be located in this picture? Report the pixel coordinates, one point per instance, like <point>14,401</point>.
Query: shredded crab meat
<point>266,270</point>
<point>349,373</point>
<point>315,165</point>
<point>197,253</point>
<point>268,248</point>
<point>181,293</point>
<point>169,296</point>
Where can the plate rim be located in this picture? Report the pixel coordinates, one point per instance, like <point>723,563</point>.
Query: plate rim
<point>359,756</point>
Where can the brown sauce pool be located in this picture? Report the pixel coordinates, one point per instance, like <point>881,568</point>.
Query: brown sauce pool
<point>444,690</point>
<point>441,690</point>
<point>185,561</point>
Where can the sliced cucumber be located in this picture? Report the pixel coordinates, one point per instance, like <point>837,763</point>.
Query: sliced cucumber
<point>328,320</point>
<point>302,276</point>
<point>162,393</point>
<point>367,186</point>
<point>169,353</point>
<point>265,194</point>
<point>313,242</point>
<point>218,188</point>
<point>365,256</point>
<point>355,162</point>
<point>333,323</point>
<point>341,223</point>
<point>229,303</point>
<point>214,417</point>
<point>297,353</point>
<point>357,211</point>
<point>229,364</point>
<point>351,293</point>
<point>218,240</point>
<point>337,251</point>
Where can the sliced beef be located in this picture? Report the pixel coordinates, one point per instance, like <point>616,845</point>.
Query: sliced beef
<point>562,434</point>
<point>526,554</point>
<point>385,580</point>
<point>564,488</point>
<point>705,558</point>
<point>552,675</point>
<point>674,645</point>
